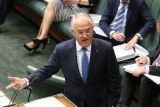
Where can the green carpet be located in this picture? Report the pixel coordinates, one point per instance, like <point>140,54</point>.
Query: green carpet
<point>13,57</point>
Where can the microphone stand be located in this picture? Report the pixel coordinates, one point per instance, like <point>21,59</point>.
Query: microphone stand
<point>11,103</point>
<point>30,92</point>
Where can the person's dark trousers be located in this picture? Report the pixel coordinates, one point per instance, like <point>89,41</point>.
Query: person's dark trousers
<point>114,43</point>
<point>148,90</point>
<point>129,84</point>
<point>4,9</point>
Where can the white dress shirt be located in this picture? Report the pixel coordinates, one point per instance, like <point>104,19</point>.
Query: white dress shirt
<point>79,52</point>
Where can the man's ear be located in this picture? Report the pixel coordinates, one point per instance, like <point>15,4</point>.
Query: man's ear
<point>73,32</point>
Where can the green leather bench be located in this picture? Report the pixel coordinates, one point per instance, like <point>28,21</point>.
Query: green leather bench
<point>48,87</point>
<point>34,10</point>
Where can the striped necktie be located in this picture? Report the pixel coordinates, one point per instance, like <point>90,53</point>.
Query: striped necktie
<point>119,19</point>
<point>84,65</point>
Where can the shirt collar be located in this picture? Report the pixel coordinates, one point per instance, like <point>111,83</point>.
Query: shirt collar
<point>79,47</point>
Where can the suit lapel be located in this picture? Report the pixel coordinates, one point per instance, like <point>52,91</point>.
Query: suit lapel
<point>73,54</point>
<point>116,8</point>
<point>130,8</point>
<point>93,57</point>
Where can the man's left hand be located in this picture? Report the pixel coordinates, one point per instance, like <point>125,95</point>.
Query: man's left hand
<point>139,71</point>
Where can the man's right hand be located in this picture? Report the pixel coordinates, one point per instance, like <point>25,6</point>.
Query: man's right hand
<point>140,61</point>
<point>17,83</point>
<point>118,37</point>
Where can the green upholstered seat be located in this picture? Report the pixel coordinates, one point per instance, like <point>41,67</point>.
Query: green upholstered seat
<point>48,87</point>
<point>153,39</point>
<point>34,10</point>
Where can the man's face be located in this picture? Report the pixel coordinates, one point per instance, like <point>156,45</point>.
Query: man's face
<point>158,25</point>
<point>83,32</point>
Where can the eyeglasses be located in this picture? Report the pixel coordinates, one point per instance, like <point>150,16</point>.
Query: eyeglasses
<point>82,32</point>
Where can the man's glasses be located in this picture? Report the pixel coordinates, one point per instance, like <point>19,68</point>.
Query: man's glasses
<point>82,32</point>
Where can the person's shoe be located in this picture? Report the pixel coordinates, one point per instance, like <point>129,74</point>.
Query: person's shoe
<point>37,44</point>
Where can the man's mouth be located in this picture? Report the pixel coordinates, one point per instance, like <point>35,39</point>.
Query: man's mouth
<point>84,40</point>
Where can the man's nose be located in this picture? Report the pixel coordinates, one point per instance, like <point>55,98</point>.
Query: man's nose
<point>84,34</point>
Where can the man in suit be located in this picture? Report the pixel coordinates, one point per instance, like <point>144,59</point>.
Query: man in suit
<point>148,89</point>
<point>101,86</point>
<point>126,21</point>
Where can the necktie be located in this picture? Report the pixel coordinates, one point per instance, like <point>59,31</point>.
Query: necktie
<point>84,65</point>
<point>156,60</point>
<point>119,19</point>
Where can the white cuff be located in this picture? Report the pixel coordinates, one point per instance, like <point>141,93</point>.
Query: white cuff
<point>111,33</point>
<point>27,81</point>
<point>147,69</point>
<point>140,37</point>
<point>148,60</point>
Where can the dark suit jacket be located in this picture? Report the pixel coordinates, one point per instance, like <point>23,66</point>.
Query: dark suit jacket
<point>138,20</point>
<point>103,80</point>
<point>154,70</point>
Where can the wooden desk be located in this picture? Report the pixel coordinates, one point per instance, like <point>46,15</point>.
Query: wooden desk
<point>60,97</point>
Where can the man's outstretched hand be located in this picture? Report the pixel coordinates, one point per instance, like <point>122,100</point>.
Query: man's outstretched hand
<point>17,83</point>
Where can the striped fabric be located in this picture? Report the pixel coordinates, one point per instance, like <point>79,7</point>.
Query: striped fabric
<point>63,12</point>
<point>119,19</point>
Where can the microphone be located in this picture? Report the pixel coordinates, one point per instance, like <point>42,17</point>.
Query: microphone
<point>11,103</point>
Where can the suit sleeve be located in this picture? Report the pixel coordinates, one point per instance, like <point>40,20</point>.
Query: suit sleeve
<point>47,70</point>
<point>91,2</point>
<point>106,18</point>
<point>148,20</point>
<point>154,70</point>
<point>154,54</point>
<point>113,77</point>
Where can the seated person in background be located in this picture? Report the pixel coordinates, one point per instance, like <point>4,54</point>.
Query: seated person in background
<point>148,88</point>
<point>126,21</point>
<point>57,10</point>
<point>4,9</point>
<point>89,66</point>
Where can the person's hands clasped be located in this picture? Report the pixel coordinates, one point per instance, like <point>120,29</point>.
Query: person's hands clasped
<point>139,71</point>
<point>132,42</point>
<point>141,61</point>
<point>70,2</point>
<point>118,37</point>
<point>17,83</point>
